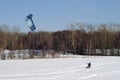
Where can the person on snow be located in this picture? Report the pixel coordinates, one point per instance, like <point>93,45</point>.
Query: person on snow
<point>89,65</point>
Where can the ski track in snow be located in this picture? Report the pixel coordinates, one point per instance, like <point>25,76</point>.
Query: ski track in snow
<point>65,70</point>
<point>60,74</point>
<point>100,74</point>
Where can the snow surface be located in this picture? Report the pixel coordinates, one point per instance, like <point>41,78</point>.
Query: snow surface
<point>103,68</point>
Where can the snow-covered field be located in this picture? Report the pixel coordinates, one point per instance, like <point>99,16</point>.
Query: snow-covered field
<point>103,68</point>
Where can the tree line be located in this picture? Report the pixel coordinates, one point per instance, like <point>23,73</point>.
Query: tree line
<point>79,38</point>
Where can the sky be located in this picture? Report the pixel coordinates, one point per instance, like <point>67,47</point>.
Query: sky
<point>54,15</point>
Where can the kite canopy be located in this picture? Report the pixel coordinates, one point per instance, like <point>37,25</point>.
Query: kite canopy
<point>29,22</point>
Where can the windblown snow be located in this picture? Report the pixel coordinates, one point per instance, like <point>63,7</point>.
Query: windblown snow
<point>103,68</point>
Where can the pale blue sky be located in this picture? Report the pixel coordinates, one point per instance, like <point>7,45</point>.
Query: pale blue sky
<point>53,15</point>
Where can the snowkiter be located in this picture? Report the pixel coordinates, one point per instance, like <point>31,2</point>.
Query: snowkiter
<point>89,65</point>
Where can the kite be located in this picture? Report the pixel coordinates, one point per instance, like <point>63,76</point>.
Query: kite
<point>29,22</point>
